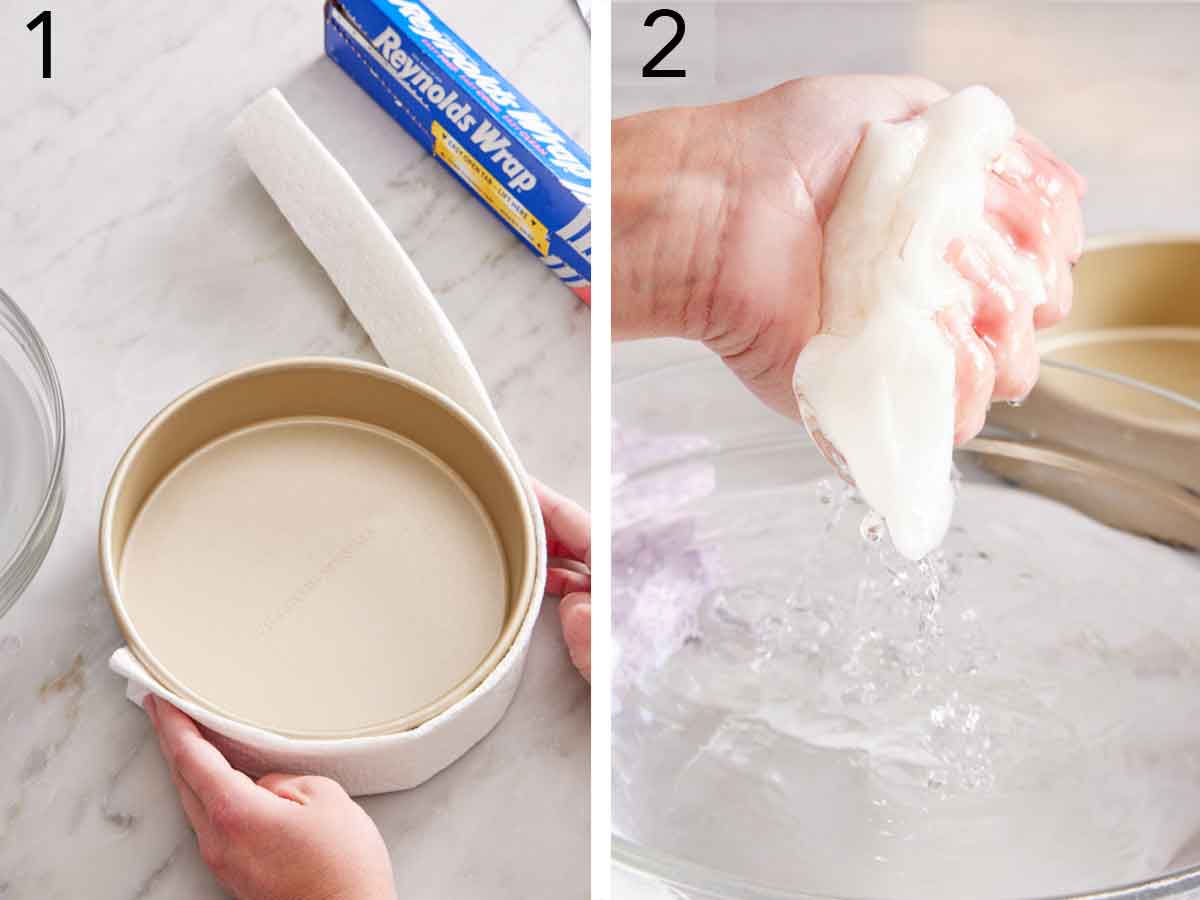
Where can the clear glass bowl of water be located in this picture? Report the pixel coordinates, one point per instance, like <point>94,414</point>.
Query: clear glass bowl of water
<point>32,447</point>
<point>798,712</point>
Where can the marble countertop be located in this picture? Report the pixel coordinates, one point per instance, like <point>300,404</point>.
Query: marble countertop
<point>150,259</point>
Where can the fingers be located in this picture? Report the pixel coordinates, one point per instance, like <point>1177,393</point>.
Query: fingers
<point>197,762</point>
<point>974,374</point>
<point>1033,200</point>
<point>213,787</point>
<point>1032,144</point>
<point>284,786</point>
<point>192,808</point>
<point>1033,203</point>
<point>568,536</point>
<point>1065,219</point>
<point>568,527</point>
<point>1057,307</point>
<point>285,836</point>
<point>301,789</point>
<point>1003,320</point>
<point>575,615</point>
<point>562,581</point>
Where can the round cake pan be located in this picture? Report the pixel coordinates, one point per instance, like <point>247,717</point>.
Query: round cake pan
<point>321,548</point>
<point>1121,376</point>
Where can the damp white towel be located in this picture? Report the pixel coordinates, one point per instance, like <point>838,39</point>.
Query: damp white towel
<point>396,308</point>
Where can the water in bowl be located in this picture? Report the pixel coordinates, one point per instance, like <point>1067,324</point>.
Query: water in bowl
<point>23,461</point>
<point>799,706</point>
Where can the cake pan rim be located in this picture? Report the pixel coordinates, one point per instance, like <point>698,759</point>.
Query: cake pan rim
<point>521,587</point>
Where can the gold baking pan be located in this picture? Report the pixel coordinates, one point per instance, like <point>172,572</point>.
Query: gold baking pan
<point>322,548</point>
<point>1120,377</point>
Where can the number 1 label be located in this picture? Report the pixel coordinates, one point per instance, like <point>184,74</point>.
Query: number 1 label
<point>42,20</point>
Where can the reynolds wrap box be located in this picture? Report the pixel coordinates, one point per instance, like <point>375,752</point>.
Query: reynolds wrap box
<point>464,112</point>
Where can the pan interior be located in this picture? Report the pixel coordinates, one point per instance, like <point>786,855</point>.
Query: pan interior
<point>314,575</point>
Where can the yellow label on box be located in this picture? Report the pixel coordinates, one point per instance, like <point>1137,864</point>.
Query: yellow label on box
<point>495,194</point>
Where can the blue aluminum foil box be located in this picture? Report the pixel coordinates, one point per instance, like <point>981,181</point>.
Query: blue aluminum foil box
<point>502,147</point>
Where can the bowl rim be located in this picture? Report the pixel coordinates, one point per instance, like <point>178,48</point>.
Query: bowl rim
<point>25,561</point>
<point>687,875</point>
<point>522,582</point>
<point>684,874</point>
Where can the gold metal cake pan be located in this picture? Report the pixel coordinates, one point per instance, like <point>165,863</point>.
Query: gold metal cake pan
<point>322,548</point>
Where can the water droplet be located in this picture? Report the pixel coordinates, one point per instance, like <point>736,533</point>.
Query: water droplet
<point>871,528</point>
<point>825,491</point>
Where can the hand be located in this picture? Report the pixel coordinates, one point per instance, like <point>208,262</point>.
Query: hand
<point>569,545</point>
<point>717,223</point>
<point>284,837</point>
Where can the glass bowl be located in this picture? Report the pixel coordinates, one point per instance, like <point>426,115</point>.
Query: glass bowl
<point>32,447</point>
<point>800,713</point>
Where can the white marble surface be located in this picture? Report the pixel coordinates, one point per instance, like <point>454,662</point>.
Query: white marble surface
<point>149,259</point>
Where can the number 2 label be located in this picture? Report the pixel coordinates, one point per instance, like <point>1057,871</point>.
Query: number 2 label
<point>650,69</point>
